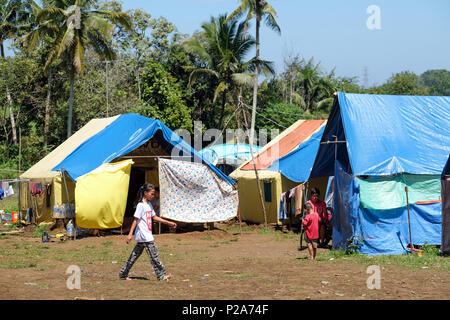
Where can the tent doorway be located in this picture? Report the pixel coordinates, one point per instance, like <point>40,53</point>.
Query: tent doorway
<point>137,179</point>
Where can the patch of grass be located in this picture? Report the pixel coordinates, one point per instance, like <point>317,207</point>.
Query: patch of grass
<point>278,235</point>
<point>207,238</point>
<point>10,204</point>
<point>177,239</point>
<point>37,233</point>
<point>235,229</point>
<point>107,243</point>
<point>17,263</point>
<point>430,259</point>
<point>242,275</point>
<point>430,250</point>
<point>14,226</point>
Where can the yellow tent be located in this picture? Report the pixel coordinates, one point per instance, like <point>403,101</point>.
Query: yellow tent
<point>272,183</point>
<point>58,191</point>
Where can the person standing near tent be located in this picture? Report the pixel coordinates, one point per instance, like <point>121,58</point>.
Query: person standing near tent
<point>311,223</point>
<point>143,236</point>
<point>320,208</point>
<point>156,202</point>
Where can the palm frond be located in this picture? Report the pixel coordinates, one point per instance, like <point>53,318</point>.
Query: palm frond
<point>272,23</point>
<point>244,79</point>
<point>67,40</point>
<point>198,71</point>
<point>236,14</point>
<point>222,87</point>
<point>53,13</point>
<point>118,18</point>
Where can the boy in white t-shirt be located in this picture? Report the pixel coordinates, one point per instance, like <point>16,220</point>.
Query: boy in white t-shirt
<point>143,236</point>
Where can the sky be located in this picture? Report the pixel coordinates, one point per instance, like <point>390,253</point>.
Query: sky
<point>413,35</point>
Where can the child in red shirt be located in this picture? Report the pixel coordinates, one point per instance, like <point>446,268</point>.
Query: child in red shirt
<point>320,207</point>
<point>311,223</point>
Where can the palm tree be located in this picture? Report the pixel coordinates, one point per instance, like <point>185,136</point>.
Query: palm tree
<point>222,48</point>
<point>13,17</point>
<point>257,9</point>
<point>313,88</point>
<point>75,27</point>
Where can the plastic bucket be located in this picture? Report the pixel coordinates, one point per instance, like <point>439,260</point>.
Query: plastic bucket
<point>15,217</point>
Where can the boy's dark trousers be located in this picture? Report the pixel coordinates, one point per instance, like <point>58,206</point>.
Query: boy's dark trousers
<point>152,251</point>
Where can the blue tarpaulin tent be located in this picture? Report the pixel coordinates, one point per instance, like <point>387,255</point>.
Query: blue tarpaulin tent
<point>375,146</point>
<point>127,133</point>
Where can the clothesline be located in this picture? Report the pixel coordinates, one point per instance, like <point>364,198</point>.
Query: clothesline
<point>13,180</point>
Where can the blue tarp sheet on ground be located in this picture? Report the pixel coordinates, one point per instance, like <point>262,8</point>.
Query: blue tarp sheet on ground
<point>127,133</point>
<point>388,134</point>
<point>297,165</point>
<point>380,231</point>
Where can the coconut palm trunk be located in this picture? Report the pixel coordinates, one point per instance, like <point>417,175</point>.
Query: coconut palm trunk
<point>70,113</point>
<point>47,109</point>
<point>9,100</point>
<point>255,84</point>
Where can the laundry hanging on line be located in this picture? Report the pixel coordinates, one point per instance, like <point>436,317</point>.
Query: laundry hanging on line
<point>36,188</point>
<point>7,189</point>
<point>282,210</point>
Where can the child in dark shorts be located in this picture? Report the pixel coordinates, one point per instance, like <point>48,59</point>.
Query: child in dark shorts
<point>311,223</point>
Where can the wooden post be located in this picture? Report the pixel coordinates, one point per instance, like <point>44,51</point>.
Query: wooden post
<point>20,148</point>
<point>409,221</point>
<point>240,220</point>
<point>254,167</point>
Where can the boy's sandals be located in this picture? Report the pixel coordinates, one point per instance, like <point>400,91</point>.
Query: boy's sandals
<point>126,278</point>
<point>167,277</point>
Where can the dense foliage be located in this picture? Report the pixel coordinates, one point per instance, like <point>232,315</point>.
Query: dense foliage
<point>118,62</point>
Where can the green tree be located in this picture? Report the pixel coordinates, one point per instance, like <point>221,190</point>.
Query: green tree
<point>313,89</point>
<point>162,98</point>
<point>258,10</point>
<point>437,82</point>
<point>14,16</point>
<point>402,83</point>
<point>221,49</point>
<point>76,27</point>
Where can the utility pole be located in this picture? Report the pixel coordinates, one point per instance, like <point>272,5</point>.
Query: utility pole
<point>366,78</point>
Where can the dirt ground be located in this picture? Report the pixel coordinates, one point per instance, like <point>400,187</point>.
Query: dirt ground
<point>218,264</point>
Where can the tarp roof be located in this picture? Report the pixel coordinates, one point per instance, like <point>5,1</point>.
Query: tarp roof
<point>297,165</point>
<point>43,168</point>
<point>386,135</point>
<point>287,141</point>
<point>127,133</point>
